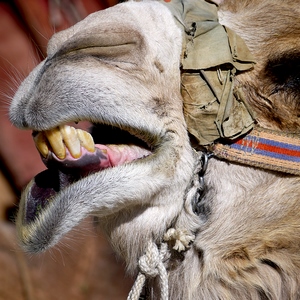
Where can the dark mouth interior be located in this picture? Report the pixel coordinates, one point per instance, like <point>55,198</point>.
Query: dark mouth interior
<point>107,134</point>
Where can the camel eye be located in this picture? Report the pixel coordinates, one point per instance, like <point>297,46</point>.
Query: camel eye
<point>284,72</point>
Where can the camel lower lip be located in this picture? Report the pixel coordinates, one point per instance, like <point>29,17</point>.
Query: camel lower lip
<point>61,173</point>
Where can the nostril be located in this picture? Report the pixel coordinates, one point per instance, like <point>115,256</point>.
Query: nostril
<point>18,119</point>
<point>24,124</point>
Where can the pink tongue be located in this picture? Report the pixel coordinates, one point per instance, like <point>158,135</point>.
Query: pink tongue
<point>120,154</point>
<point>103,157</point>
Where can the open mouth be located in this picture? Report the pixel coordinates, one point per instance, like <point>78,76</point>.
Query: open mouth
<point>71,154</point>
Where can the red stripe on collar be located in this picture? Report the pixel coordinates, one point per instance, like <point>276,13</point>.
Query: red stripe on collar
<point>263,148</point>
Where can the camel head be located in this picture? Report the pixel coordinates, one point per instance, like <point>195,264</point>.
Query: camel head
<point>124,78</point>
<point>160,89</point>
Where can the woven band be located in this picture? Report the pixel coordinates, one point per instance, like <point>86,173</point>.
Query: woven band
<point>265,149</point>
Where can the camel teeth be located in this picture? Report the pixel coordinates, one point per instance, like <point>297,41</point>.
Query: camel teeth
<point>86,140</point>
<point>55,140</point>
<point>62,137</point>
<point>71,140</point>
<point>41,144</point>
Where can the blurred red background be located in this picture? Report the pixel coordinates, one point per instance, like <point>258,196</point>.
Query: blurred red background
<point>84,267</point>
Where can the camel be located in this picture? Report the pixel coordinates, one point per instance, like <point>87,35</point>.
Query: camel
<point>192,166</point>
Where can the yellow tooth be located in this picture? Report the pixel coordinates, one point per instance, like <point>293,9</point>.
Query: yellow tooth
<point>55,140</point>
<point>71,140</point>
<point>41,144</point>
<point>86,140</point>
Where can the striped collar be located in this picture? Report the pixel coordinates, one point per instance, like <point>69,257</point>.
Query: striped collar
<point>263,148</point>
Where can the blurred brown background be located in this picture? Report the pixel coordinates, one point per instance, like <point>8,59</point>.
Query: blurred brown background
<point>83,267</point>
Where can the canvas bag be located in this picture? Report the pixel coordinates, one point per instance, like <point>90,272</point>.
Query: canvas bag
<point>211,57</point>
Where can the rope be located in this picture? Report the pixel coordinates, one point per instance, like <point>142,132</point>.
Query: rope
<point>182,238</point>
<point>151,265</point>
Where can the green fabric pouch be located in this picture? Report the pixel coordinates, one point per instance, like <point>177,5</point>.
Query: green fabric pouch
<point>211,57</point>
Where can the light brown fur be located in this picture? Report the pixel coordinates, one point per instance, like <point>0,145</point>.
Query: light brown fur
<point>270,30</point>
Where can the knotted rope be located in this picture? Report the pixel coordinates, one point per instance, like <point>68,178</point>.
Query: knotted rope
<point>151,265</point>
